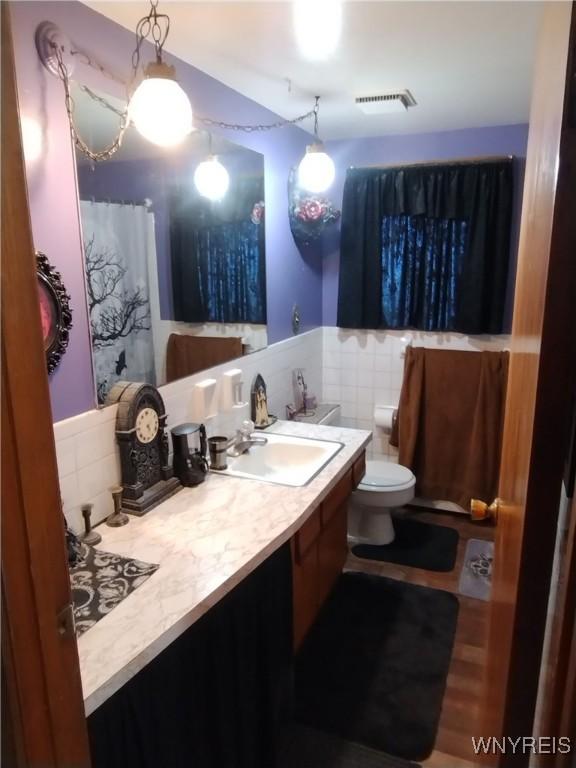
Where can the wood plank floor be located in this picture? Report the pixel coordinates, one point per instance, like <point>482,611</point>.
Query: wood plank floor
<point>462,699</point>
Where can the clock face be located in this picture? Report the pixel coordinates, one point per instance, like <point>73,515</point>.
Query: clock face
<point>146,425</point>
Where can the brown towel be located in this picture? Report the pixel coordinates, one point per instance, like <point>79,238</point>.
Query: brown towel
<point>186,355</point>
<point>450,419</point>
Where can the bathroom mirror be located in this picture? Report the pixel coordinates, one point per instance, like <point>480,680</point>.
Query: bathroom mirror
<point>175,281</point>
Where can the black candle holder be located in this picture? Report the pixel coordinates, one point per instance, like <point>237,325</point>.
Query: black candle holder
<point>118,517</point>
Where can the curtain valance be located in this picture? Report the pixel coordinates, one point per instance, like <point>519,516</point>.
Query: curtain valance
<point>478,194</point>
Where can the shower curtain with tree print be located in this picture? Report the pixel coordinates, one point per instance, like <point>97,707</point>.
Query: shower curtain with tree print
<point>117,243</point>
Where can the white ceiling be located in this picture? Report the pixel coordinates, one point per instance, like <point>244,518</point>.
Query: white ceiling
<point>468,64</point>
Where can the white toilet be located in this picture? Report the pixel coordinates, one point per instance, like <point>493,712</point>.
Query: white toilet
<point>384,487</point>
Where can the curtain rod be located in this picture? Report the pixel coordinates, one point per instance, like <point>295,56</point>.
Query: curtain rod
<point>462,161</point>
<point>109,201</point>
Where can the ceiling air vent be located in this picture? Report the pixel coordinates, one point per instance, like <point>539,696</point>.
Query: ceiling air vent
<point>386,103</point>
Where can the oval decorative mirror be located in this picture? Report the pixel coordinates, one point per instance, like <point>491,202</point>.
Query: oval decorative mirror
<point>55,311</point>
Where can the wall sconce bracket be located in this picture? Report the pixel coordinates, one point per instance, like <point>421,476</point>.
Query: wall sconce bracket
<point>50,38</point>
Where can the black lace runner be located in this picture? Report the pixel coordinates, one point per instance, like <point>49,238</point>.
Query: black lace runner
<point>100,581</point>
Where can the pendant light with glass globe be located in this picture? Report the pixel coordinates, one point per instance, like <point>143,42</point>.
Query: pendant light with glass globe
<point>159,107</point>
<point>316,171</point>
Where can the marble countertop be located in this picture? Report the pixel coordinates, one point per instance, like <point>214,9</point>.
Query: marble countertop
<point>206,540</point>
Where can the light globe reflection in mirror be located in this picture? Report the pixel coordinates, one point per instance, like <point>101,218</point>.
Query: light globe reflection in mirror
<point>211,179</point>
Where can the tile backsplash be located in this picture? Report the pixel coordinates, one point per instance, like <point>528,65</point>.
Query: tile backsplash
<point>358,369</point>
<point>361,369</point>
<point>88,461</point>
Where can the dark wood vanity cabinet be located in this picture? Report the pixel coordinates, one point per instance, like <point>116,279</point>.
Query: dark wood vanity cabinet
<point>319,551</point>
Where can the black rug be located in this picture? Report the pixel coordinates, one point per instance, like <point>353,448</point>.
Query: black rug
<point>304,747</point>
<point>419,545</point>
<point>373,669</point>
<point>100,581</point>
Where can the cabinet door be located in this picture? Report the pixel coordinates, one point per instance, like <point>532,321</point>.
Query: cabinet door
<point>359,469</point>
<point>319,551</point>
<point>305,577</point>
<point>332,551</point>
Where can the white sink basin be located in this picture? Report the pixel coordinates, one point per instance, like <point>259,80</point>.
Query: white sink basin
<point>284,459</point>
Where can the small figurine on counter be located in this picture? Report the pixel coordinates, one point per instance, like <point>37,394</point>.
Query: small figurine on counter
<point>260,415</point>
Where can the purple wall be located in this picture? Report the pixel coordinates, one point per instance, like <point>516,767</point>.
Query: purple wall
<point>390,150</point>
<point>52,183</point>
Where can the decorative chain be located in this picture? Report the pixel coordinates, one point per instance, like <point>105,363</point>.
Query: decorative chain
<point>156,26</point>
<point>101,100</point>
<point>315,112</point>
<point>208,121</point>
<point>114,146</point>
<point>86,59</point>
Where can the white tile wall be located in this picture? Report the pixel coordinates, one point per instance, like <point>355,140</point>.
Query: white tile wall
<point>361,369</point>
<point>88,461</point>
<point>358,369</point>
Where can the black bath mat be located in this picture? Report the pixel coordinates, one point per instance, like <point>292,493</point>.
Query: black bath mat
<point>418,545</point>
<point>373,669</point>
<point>100,581</point>
<point>303,747</point>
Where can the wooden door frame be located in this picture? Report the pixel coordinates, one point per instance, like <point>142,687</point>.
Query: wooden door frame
<point>44,710</point>
<point>546,355</point>
<point>553,417</point>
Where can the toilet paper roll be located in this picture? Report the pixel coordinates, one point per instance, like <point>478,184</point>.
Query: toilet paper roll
<point>384,416</point>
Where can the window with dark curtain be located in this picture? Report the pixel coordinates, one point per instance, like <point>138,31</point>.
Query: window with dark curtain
<point>218,256</point>
<point>426,247</point>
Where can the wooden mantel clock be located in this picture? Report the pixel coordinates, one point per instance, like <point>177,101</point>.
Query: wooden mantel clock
<point>147,477</point>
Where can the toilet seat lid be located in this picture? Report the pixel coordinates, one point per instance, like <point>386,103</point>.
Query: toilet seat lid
<point>384,474</point>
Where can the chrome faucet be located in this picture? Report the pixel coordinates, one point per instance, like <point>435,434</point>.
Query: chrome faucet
<point>244,440</point>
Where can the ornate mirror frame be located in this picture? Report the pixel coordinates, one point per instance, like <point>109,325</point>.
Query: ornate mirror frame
<point>55,311</point>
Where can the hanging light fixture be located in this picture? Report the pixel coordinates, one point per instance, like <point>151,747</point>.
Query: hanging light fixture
<point>211,177</point>
<point>316,171</point>
<point>159,107</point>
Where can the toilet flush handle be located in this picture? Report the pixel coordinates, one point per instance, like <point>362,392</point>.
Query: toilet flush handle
<point>479,510</point>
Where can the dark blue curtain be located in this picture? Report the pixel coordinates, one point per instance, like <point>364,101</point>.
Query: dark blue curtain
<point>426,247</point>
<point>421,262</point>
<point>226,259</point>
<point>218,254</point>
